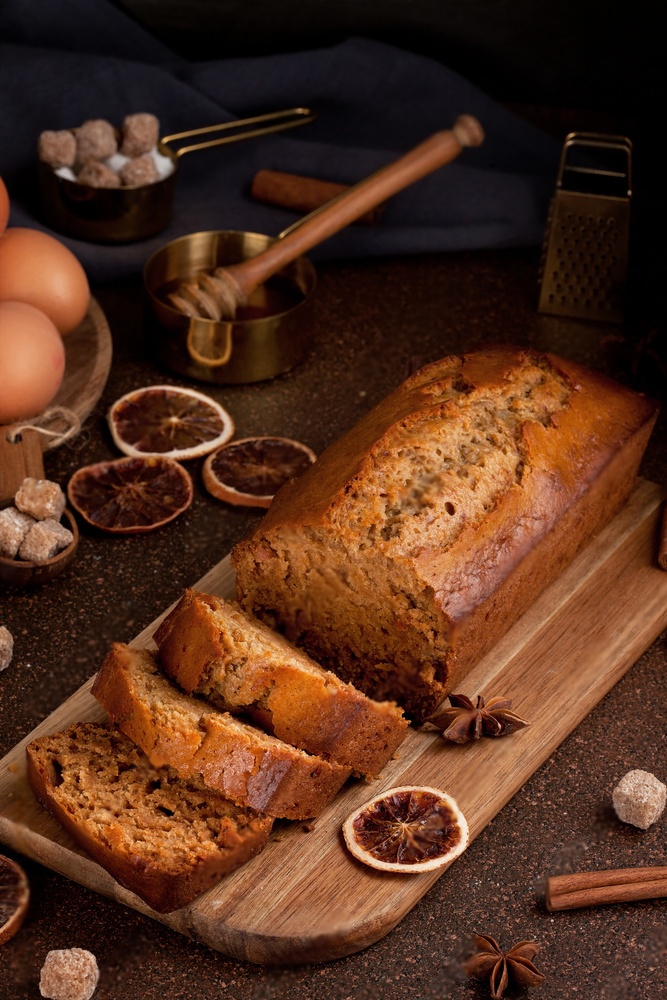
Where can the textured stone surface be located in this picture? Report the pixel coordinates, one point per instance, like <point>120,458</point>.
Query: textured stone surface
<point>375,322</point>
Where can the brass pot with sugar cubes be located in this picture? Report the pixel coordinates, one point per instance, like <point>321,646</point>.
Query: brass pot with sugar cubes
<point>113,186</point>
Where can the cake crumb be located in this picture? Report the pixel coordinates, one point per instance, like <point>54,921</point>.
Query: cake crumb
<point>639,798</point>
<point>6,647</point>
<point>69,974</point>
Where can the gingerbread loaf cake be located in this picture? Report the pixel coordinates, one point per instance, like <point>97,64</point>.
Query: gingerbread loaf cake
<point>165,838</point>
<point>416,540</point>
<point>249,766</point>
<point>212,648</point>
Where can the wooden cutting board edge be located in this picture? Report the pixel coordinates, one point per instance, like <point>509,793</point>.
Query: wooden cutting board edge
<point>303,923</point>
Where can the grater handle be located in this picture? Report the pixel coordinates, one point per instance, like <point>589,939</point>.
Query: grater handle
<point>596,140</point>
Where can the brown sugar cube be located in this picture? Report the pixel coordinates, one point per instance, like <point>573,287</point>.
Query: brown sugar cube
<point>95,140</point>
<point>40,498</point>
<point>44,540</point>
<point>69,974</point>
<point>14,526</point>
<point>98,175</point>
<point>140,134</point>
<point>139,171</point>
<point>6,647</point>
<point>639,798</point>
<point>57,149</point>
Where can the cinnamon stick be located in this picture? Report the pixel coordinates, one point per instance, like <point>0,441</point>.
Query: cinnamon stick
<point>620,885</point>
<point>302,194</point>
<point>662,545</point>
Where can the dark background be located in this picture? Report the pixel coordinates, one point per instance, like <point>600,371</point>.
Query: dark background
<point>603,57</point>
<point>577,53</point>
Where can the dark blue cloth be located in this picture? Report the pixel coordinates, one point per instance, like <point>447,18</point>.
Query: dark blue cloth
<point>64,61</point>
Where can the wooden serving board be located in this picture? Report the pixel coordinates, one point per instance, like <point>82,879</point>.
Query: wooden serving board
<point>305,898</point>
<point>88,350</point>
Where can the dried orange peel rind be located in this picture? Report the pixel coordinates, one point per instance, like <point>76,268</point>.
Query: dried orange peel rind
<point>170,421</point>
<point>14,897</point>
<point>250,471</point>
<point>130,495</point>
<point>409,829</point>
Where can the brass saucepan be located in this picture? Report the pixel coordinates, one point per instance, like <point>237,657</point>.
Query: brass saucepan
<point>268,337</point>
<point>133,213</point>
<point>232,306</point>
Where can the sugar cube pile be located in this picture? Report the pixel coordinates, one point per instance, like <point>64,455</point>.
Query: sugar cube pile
<point>98,155</point>
<point>31,529</point>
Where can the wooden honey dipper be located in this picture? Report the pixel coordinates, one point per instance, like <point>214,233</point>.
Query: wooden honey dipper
<point>219,295</point>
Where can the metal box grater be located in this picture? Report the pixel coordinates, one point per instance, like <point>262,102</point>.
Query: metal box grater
<point>584,264</point>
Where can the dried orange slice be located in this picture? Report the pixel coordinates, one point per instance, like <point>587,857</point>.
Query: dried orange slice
<point>14,895</point>
<point>131,495</point>
<point>249,472</point>
<point>168,420</point>
<point>409,829</point>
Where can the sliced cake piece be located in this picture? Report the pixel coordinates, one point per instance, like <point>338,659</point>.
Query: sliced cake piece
<point>247,765</point>
<point>213,648</point>
<point>164,838</point>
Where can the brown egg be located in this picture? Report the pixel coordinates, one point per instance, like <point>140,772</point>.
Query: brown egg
<point>40,270</point>
<point>4,206</point>
<point>32,361</point>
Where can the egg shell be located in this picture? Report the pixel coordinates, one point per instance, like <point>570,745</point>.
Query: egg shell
<point>4,206</point>
<point>32,361</point>
<point>38,269</point>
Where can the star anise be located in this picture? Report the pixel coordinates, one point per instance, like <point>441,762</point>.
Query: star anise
<point>464,721</point>
<point>502,969</point>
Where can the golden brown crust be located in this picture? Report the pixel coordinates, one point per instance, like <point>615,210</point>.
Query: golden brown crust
<point>447,509</point>
<point>246,765</point>
<point>77,776</point>
<point>212,648</point>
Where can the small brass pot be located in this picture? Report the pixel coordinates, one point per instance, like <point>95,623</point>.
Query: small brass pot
<point>130,214</point>
<point>266,339</point>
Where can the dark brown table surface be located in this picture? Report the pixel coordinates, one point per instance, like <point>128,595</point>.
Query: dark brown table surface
<point>374,323</point>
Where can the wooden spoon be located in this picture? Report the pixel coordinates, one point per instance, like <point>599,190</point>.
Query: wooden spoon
<point>18,460</point>
<point>236,283</point>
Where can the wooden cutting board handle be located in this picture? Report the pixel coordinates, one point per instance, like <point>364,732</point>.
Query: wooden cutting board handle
<point>19,459</point>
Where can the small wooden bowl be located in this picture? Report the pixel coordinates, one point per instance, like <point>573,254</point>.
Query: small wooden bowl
<point>19,573</point>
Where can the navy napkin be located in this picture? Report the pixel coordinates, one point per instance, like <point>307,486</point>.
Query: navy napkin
<point>64,61</point>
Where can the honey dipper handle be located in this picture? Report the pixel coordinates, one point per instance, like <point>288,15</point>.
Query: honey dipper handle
<point>434,152</point>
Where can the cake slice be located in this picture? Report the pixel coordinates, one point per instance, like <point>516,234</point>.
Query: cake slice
<point>250,767</point>
<point>162,837</point>
<point>211,647</point>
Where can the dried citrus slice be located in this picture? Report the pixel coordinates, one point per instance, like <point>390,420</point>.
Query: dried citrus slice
<point>14,895</point>
<point>168,420</point>
<point>131,495</point>
<point>249,472</point>
<point>409,829</point>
